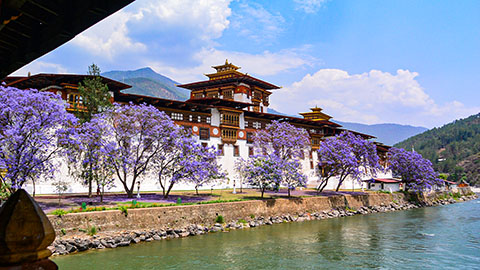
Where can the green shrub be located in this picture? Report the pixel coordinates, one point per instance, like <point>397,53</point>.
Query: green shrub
<point>58,212</point>
<point>252,216</point>
<point>350,209</point>
<point>219,219</point>
<point>242,221</point>
<point>179,200</point>
<point>123,209</point>
<point>84,205</point>
<point>62,230</point>
<point>92,230</point>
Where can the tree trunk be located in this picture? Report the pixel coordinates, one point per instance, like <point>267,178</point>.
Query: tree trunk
<point>168,190</point>
<point>130,193</point>
<point>263,191</point>
<point>34,188</point>
<point>90,181</point>
<point>196,189</point>
<point>101,194</point>
<point>90,188</point>
<point>322,186</point>
<point>338,187</point>
<point>288,192</point>
<point>340,182</point>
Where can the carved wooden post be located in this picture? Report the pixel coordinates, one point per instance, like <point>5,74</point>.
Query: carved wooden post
<point>25,233</point>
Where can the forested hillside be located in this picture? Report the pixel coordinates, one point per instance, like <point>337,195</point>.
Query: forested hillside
<point>453,148</point>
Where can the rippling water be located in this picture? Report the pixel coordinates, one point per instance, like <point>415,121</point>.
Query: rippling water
<point>444,237</point>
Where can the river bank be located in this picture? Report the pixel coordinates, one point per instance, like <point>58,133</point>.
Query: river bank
<point>115,229</point>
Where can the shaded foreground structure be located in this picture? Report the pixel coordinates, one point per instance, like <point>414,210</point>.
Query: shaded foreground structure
<point>32,28</point>
<point>25,234</point>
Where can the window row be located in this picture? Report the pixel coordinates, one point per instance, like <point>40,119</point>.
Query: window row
<point>191,118</point>
<point>255,125</point>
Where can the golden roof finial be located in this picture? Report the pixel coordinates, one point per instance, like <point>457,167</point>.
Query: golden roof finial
<point>226,61</point>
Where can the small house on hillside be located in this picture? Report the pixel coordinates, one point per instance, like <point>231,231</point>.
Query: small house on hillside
<point>449,185</point>
<point>386,184</point>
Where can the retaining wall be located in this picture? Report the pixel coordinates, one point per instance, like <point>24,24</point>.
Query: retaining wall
<point>179,216</point>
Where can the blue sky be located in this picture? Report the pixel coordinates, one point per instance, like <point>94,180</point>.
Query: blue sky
<point>407,62</point>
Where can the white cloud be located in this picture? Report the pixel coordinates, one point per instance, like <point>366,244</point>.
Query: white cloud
<point>263,64</point>
<point>309,6</point>
<point>40,67</point>
<point>110,37</point>
<point>209,18</point>
<point>155,22</point>
<point>256,23</point>
<point>373,97</point>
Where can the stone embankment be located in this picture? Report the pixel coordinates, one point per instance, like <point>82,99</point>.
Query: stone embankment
<point>111,239</point>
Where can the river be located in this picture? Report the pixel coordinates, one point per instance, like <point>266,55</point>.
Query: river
<point>443,237</point>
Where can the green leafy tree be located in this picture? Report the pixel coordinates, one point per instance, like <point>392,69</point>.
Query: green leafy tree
<point>94,93</point>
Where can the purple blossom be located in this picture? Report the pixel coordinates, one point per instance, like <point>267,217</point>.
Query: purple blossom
<point>283,144</point>
<point>346,155</point>
<point>264,171</point>
<point>188,161</point>
<point>31,125</point>
<point>281,139</point>
<point>87,156</point>
<point>139,135</point>
<point>416,172</point>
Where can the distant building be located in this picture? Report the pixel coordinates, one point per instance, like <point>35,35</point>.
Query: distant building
<point>385,184</point>
<point>223,111</point>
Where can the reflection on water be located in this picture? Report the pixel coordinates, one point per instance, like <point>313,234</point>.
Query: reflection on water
<point>445,237</point>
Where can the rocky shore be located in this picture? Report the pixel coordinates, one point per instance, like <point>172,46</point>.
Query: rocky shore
<point>66,245</point>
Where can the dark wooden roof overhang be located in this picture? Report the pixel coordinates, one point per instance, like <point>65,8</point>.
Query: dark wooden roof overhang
<point>228,81</point>
<point>40,81</point>
<point>164,103</point>
<point>220,102</point>
<point>32,28</point>
<point>382,147</point>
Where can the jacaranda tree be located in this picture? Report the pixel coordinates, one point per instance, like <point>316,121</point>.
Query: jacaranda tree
<point>30,126</point>
<point>283,143</point>
<point>241,172</point>
<point>292,176</point>
<point>346,155</point>
<point>263,172</point>
<point>416,172</point>
<point>186,161</point>
<point>87,156</point>
<point>138,134</point>
<point>282,140</point>
<point>202,167</point>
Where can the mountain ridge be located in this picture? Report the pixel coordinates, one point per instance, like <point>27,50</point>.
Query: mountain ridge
<point>146,81</point>
<point>387,133</point>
